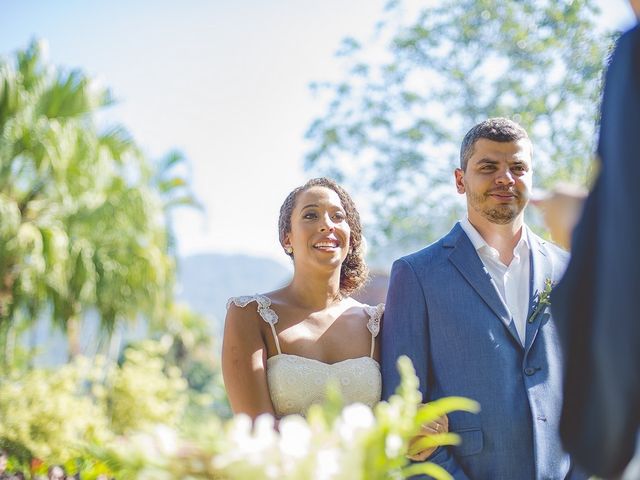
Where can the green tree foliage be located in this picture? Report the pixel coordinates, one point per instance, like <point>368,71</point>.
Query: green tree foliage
<point>171,181</point>
<point>81,210</point>
<point>53,415</point>
<point>392,128</point>
<point>144,391</point>
<point>190,346</point>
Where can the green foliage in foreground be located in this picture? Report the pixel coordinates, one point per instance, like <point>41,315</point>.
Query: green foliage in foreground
<point>132,421</point>
<point>333,443</point>
<point>51,415</point>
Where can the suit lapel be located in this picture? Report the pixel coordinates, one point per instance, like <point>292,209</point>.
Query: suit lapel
<point>540,269</point>
<point>465,258</point>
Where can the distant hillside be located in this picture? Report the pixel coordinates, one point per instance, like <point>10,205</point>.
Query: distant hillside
<point>206,281</point>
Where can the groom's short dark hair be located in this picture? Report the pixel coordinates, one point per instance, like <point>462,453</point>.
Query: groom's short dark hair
<point>498,129</point>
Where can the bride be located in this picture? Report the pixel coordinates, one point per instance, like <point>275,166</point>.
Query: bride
<point>280,349</point>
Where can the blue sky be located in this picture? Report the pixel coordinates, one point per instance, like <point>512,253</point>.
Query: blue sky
<point>226,82</point>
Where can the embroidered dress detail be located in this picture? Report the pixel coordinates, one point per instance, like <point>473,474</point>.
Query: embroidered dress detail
<point>264,310</point>
<point>264,304</point>
<point>375,314</point>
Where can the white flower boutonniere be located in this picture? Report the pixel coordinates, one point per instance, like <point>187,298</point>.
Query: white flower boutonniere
<point>542,299</point>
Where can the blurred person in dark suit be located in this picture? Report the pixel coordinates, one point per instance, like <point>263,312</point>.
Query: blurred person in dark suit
<point>597,303</point>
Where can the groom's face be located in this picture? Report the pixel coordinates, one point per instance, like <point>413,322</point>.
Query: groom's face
<point>497,180</point>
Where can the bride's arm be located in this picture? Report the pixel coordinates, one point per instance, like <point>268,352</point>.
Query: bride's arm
<point>244,359</point>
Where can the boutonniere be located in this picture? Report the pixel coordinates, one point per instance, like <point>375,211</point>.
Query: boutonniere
<point>542,299</point>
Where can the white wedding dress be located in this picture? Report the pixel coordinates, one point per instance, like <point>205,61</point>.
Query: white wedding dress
<point>295,382</point>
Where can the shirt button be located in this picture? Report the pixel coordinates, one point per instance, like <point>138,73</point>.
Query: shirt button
<point>529,371</point>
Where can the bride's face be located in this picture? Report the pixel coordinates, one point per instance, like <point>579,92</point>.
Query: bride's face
<point>319,229</point>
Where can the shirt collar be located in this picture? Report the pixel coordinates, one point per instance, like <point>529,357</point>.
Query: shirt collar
<point>479,243</point>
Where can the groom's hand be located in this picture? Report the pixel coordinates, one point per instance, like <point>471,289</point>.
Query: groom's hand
<point>441,425</point>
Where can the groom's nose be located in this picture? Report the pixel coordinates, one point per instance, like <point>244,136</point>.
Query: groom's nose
<point>505,177</point>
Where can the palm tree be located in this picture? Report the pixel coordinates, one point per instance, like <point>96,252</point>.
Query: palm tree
<point>81,224</point>
<point>171,180</point>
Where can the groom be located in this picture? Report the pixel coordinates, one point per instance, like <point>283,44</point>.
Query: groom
<point>465,310</point>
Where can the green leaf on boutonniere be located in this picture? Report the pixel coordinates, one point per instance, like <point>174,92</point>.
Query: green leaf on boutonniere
<point>542,299</point>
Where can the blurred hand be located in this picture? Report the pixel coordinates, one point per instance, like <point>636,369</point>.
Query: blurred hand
<point>440,425</point>
<point>561,210</point>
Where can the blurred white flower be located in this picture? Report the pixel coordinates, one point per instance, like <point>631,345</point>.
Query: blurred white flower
<point>239,428</point>
<point>249,446</point>
<point>328,464</point>
<point>295,436</point>
<point>264,433</point>
<point>166,440</point>
<point>354,419</point>
<point>392,445</point>
<point>393,411</point>
<point>272,472</point>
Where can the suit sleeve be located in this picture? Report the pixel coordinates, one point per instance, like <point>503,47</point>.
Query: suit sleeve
<point>405,332</point>
<point>404,328</point>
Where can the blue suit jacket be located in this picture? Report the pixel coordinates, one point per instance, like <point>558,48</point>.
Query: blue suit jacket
<point>444,312</point>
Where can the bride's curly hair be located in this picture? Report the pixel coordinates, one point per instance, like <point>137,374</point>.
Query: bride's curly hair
<point>353,272</point>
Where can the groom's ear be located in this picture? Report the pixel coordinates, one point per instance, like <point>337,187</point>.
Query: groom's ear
<point>459,173</point>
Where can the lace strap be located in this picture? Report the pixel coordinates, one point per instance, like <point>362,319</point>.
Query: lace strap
<point>375,315</point>
<point>264,310</point>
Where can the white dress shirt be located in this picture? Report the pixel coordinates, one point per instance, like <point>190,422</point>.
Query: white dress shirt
<point>511,281</point>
